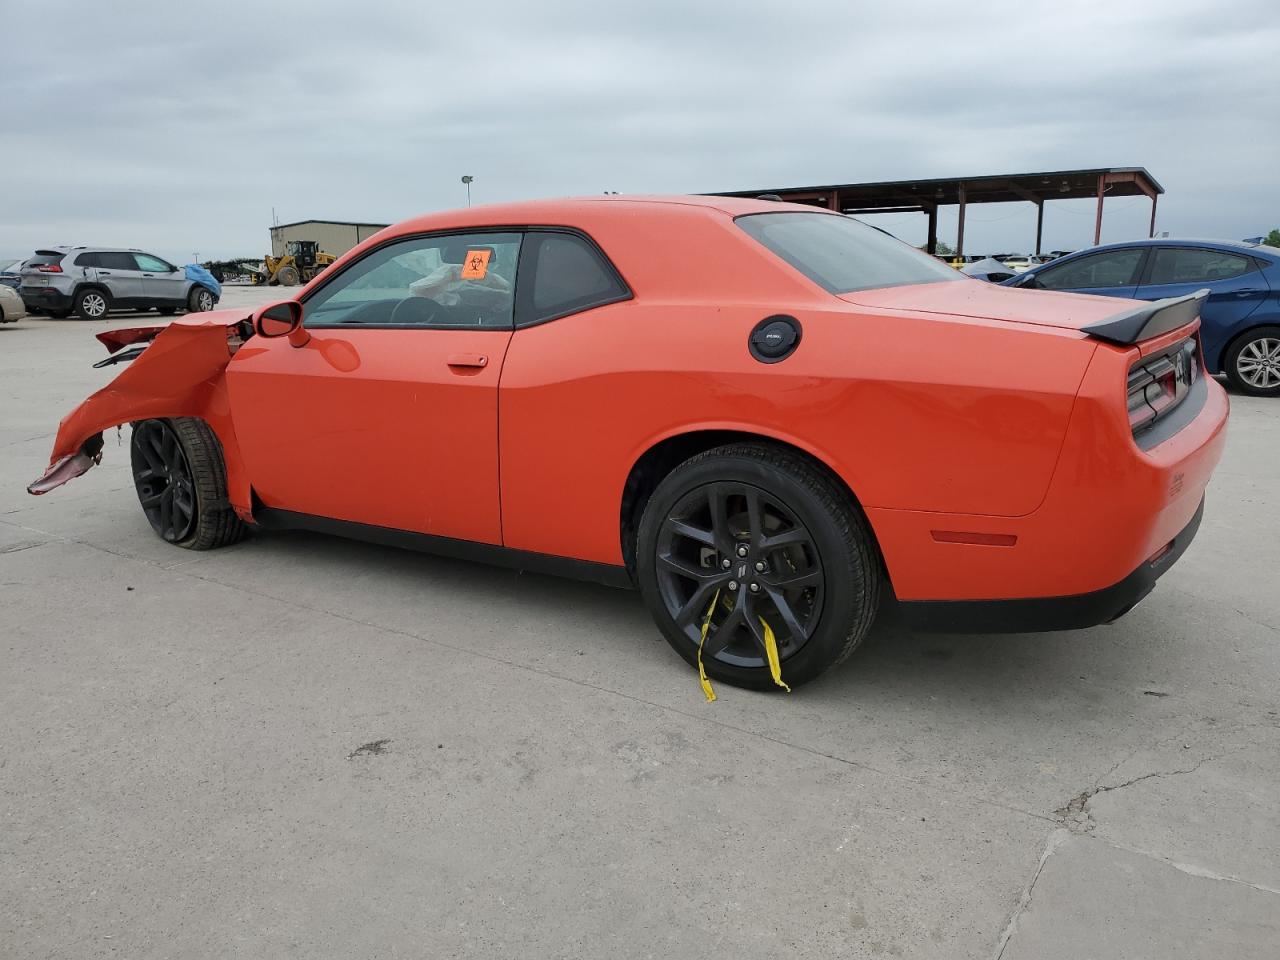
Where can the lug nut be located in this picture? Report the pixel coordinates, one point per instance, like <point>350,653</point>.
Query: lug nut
<point>755,588</point>
<point>742,550</point>
<point>759,566</point>
<point>726,563</point>
<point>733,584</point>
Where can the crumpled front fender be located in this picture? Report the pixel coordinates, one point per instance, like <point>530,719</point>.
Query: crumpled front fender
<point>181,374</point>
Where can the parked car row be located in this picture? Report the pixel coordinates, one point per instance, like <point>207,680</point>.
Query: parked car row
<point>92,281</point>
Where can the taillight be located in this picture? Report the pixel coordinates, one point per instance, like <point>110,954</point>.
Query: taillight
<point>49,267</point>
<point>1157,384</point>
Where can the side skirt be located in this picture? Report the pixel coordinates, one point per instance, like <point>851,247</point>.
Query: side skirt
<point>269,518</point>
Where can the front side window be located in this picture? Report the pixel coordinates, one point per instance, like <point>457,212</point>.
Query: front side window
<point>152,264</point>
<point>460,280</point>
<point>841,254</point>
<point>565,274</point>
<point>1114,268</point>
<point>1187,265</point>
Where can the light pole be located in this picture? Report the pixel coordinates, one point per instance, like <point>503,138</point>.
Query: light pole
<point>467,180</point>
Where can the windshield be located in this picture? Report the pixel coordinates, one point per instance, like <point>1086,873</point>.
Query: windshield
<point>841,254</point>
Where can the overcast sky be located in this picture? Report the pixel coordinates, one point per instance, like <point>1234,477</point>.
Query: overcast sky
<point>178,127</point>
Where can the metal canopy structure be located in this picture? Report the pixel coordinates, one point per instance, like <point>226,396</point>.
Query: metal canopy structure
<point>926,196</point>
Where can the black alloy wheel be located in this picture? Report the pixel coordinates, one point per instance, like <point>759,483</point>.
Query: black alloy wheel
<point>752,539</point>
<point>735,545</point>
<point>165,482</point>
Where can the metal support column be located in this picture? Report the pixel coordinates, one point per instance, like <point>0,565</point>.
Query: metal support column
<point>1039,225</point>
<point>1097,223</point>
<point>933,230</point>
<point>960,228</point>
<point>1152,231</point>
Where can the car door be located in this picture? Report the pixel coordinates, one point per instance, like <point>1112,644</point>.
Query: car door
<point>1110,273</point>
<point>163,284</point>
<point>388,415</point>
<point>118,272</point>
<point>1235,284</point>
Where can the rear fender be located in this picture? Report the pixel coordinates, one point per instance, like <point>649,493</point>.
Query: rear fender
<point>181,374</point>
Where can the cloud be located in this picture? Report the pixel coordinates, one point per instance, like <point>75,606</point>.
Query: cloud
<point>180,131</point>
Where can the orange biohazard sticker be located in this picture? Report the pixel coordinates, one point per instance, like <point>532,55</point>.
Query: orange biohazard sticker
<point>476,264</point>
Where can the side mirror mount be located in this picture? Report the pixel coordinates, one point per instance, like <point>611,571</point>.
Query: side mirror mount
<point>283,319</point>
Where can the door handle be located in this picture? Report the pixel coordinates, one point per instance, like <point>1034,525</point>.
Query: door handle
<point>104,273</point>
<point>468,360</point>
<point>148,274</point>
<point>1249,292</point>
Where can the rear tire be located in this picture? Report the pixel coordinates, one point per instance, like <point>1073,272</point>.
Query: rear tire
<point>181,480</point>
<point>827,576</point>
<point>1252,363</point>
<point>200,300</point>
<point>167,311</point>
<point>92,304</point>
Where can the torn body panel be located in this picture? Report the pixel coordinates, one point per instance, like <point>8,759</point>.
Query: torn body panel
<point>180,374</point>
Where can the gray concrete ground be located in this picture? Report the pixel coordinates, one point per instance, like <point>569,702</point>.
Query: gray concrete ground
<point>306,747</point>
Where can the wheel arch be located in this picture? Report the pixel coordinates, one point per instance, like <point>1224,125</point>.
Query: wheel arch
<point>1241,334</point>
<point>84,285</point>
<point>668,452</point>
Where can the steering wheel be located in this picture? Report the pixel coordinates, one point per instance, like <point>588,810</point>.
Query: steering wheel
<point>415,310</point>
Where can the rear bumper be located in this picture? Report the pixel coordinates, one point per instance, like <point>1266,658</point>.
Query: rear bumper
<point>48,298</point>
<point>1043,614</point>
<point>1114,508</point>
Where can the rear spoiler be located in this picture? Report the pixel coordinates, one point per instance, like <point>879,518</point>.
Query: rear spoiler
<point>1149,320</point>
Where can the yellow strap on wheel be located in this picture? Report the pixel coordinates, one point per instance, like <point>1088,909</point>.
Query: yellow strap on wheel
<point>771,648</point>
<point>702,674</point>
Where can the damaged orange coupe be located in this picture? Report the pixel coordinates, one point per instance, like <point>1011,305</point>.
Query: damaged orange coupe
<point>765,416</point>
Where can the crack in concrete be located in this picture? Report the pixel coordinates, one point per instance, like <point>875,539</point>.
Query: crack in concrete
<point>1075,814</point>
<point>1056,839</point>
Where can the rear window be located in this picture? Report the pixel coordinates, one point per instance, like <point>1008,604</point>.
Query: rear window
<point>43,257</point>
<point>842,255</point>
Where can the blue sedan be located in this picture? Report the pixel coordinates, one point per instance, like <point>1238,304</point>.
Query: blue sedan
<point>1240,322</point>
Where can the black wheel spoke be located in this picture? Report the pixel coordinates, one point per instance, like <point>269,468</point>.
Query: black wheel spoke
<point>785,539</point>
<point>783,606</point>
<point>756,630</point>
<point>694,610</point>
<point>717,503</point>
<point>792,579</point>
<point>686,568</point>
<point>755,516</point>
<point>166,511</point>
<point>683,528</point>
<point>724,632</point>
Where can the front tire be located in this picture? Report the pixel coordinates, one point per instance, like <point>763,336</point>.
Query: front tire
<point>200,300</point>
<point>751,534</point>
<point>92,304</point>
<point>181,481</point>
<point>1252,363</point>
<point>287,277</point>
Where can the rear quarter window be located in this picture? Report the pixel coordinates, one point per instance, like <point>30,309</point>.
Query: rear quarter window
<point>841,254</point>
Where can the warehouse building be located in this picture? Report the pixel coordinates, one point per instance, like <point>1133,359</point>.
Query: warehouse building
<point>333,236</point>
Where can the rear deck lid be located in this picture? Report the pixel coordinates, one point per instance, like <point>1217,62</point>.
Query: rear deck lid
<point>988,301</point>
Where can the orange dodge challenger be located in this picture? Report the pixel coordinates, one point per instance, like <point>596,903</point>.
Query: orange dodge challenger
<point>765,416</point>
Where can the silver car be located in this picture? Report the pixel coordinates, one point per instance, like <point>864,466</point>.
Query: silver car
<point>11,306</point>
<point>89,281</point>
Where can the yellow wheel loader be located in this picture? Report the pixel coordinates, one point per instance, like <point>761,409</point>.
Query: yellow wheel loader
<point>300,263</point>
